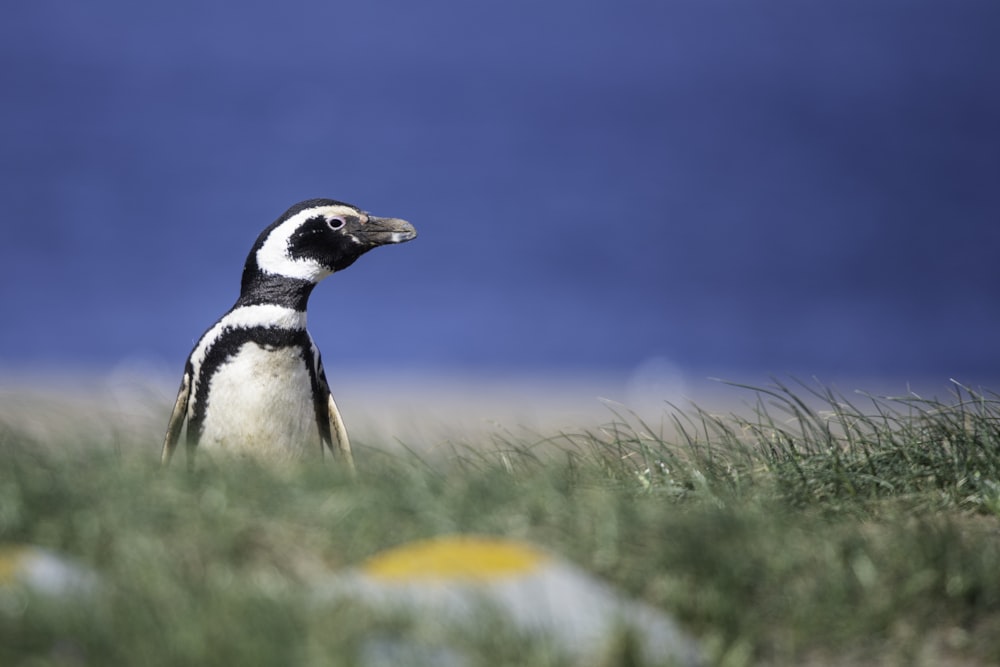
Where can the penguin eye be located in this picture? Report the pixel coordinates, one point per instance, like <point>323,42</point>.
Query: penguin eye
<point>335,223</point>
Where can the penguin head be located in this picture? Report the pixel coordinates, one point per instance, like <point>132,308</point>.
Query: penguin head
<point>317,237</point>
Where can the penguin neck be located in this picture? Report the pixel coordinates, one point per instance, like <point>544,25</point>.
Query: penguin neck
<point>267,288</point>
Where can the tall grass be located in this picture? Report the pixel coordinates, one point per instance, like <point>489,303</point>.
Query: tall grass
<point>806,528</point>
<point>813,446</point>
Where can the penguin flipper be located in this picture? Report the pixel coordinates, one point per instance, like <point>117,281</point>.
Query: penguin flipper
<point>338,433</point>
<point>176,420</point>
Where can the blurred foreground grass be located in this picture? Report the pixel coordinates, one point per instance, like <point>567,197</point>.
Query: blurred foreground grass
<point>811,530</point>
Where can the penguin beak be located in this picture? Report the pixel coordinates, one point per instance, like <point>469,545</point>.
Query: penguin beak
<point>382,231</point>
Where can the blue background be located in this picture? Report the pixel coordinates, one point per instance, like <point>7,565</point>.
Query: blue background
<point>782,186</point>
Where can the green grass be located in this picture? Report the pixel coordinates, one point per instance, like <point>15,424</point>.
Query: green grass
<point>808,529</point>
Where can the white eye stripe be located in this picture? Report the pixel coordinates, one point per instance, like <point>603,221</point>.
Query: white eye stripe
<point>273,256</point>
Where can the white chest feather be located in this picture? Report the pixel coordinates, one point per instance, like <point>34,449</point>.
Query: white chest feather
<point>260,402</point>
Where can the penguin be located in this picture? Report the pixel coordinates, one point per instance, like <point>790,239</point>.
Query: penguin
<point>254,384</point>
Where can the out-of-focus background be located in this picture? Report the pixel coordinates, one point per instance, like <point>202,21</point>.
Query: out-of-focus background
<point>653,192</point>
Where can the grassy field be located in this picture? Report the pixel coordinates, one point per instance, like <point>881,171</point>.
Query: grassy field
<point>809,529</point>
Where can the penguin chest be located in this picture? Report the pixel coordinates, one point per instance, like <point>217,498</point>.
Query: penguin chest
<point>260,403</point>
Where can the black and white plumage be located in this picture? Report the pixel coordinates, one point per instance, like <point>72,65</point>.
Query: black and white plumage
<point>254,383</point>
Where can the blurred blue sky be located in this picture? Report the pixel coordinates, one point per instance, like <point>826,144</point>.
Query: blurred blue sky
<point>786,186</point>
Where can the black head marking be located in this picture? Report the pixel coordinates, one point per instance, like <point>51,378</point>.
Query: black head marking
<point>327,240</point>
<point>311,240</point>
